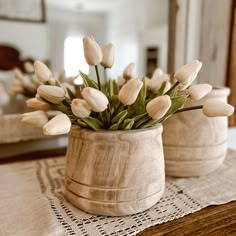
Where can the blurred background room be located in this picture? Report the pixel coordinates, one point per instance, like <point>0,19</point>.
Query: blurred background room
<point>149,33</point>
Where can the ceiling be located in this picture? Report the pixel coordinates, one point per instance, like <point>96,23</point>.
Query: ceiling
<point>84,5</point>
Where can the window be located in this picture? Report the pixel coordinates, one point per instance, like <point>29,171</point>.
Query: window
<point>74,56</point>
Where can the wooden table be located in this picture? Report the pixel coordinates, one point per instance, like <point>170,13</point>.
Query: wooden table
<point>210,221</point>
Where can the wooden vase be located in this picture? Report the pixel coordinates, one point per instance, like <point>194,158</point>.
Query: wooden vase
<point>194,144</point>
<point>114,173</point>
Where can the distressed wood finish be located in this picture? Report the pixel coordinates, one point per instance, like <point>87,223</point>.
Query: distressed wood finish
<point>114,172</point>
<point>232,67</point>
<point>214,41</point>
<point>194,144</point>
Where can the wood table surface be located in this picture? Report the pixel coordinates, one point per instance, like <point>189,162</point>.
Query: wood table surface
<point>210,221</point>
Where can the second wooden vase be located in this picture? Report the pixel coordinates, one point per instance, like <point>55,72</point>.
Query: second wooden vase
<point>194,144</point>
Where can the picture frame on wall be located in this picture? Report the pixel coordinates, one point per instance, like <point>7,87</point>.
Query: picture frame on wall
<point>23,10</point>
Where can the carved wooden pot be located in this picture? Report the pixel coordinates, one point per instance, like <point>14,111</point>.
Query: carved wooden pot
<point>114,173</point>
<point>194,144</point>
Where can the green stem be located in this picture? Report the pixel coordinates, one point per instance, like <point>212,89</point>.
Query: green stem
<point>172,88</point>
<point>189,108</point>
<point>105,74</point>
<point>98,77</point>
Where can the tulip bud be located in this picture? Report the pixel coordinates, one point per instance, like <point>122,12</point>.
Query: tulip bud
<point>80,108</point>
<point>157,73</point>
<point>36,118</point>
<point>29,68</point>
<point>4,97</point>
<point>108,56</point>
<point>43,74</point>
<point>37,104</point>
<point>129,71</point>
<point>59,124</point>
<point>95,98</point>
<point>187,73</point>
<point>156,81</point>
<point>167,87</point>
<point>53,113</point>
<point>17,72</point>
<point>158,107</point>
<point>198,91</point>
<point>121,81</point>
<point>67,86</point>
<point>129,92</point>
<point>92,51</point>
<point>52,94</point>
<point>214,107</point>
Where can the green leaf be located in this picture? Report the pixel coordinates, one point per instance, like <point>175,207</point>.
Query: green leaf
<point>67,102</point>
<point>87,81</point>
<point>112,88</point>
<point>176,104</point>
<point>141,121</point>
<point>173,90</point>
<point>117,108</point>
<point>139,117</point>
<point>58,84</point>
<point>82,124</point>
<point>150,123</point>
<point>127,124</point>
<point>70,93</point>
<point>119,117</point>
<point>161,89</point>
<point>92,122</point>
<point>114,126</point>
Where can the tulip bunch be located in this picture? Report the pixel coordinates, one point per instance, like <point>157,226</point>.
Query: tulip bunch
<point>24,83</point>
<point>125,104</point>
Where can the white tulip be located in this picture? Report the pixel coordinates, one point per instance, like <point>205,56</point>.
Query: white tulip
<point>29,67</point>
<point>36,118</point>
<point>155,82</point>
<point>129,71</point>
<point>52,113</point>
<point>52,94</point>
<point>129,92</point>
<point>214,107</point>
<point>92,51</point>
<point>158,107</point>
<point>60,124</point>
<point>167,87</point>
<point>80,108</point>
<point>157,73</point>
<point>95,98</point>
<point>187,73</point>
<point>17,72</point>
<point>198,91</point>
<point>37,104</point>
<point>120,81</point>
<point>71,87</point>
<point>43,74</point>
<point>4,97</point>
<point>108,56</point>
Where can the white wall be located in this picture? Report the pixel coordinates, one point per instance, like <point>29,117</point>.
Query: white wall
<point>66,23</point>
<point>132,27</point>
<point>30,38</point>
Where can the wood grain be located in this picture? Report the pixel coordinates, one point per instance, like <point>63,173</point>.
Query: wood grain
<point>232,68</point>
<point>210,221</point>
<point>114,172</point>
<point>214,41</point>
<point>194,144</point>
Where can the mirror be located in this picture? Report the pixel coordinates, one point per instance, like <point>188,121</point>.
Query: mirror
<point>138,30</point>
